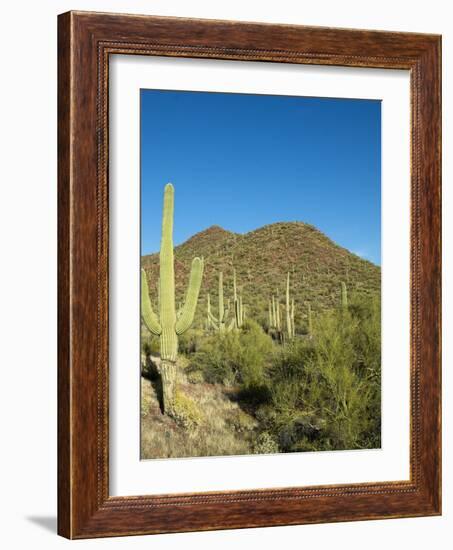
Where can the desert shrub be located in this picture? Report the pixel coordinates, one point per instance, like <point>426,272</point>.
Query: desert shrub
<point>325,391</point>
<point>150,344</point>
<point>186,412</point>
<point>194,376</point>
<point>253,355</point>
<point>265,444</point>
<point>189,341</point>
<point>240,421</point>
<point>367,343</point>
<point>340,400</point>
<point>146,348</point>
<point>239,357</point>
<point>216,358</point>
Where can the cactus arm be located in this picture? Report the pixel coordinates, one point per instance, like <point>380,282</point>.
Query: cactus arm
<point>232,324</point>
<point>149,317</point>
<point>213,318</point>
<point>179,311</point>
<point>190,303</point>
<point>226,314</point>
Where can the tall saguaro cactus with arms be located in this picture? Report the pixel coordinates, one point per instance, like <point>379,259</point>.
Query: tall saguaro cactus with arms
<point>168,326</point>
<point>219,322</point>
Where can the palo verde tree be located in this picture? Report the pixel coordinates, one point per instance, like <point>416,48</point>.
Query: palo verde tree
<point>168,325</point>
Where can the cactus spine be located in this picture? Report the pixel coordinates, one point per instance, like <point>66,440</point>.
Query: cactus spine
<point>168,325</point>
<point>344,295</point>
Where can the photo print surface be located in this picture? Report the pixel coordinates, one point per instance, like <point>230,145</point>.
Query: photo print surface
<point>260,274</point>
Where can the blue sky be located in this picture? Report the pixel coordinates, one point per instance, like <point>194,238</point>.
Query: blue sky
<point>243,161</point>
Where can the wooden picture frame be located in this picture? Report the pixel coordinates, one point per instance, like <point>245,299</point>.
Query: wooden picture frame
<point>85,42</point>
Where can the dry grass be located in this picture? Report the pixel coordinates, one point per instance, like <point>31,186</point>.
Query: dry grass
<point>209,423</point>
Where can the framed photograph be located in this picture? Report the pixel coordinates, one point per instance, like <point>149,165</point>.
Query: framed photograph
<point>249,275</point>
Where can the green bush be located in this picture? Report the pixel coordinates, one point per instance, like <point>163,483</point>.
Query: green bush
<point>187,413</point>
<point>253,355</point>
<point>239,357</point>
<point>325,391</point>
<point>189,341</point>
<point>150,345</point>
<point>265,444</point>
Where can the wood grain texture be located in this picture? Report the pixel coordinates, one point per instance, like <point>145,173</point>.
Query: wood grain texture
<point>86,40</point>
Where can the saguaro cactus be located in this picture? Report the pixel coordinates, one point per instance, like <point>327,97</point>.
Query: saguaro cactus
<point>168,325</point>
<point>238,308</point>
<point>274,313</point>
<point>289,312</point>
<point>275,325</point>
<point>344,295</point>
<point>208,311</point>
<point>219,323</point>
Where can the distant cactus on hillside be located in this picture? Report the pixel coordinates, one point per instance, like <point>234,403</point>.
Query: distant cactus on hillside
<point>344,295</point>
<point>290,328</point>
<point>220,322</point>
<point>238,307</point>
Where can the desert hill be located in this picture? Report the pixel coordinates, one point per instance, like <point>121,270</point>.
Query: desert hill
<point>262,258</point>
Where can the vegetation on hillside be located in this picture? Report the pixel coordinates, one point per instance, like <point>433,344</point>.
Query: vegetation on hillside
<point>261,260</point>
<point>247,386</point>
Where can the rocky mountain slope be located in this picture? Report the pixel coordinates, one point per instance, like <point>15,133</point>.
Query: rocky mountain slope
<point>262,258</point>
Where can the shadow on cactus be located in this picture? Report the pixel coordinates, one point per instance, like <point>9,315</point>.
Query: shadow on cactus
<point>168,325</point>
